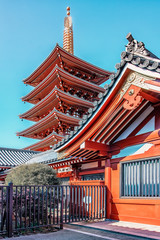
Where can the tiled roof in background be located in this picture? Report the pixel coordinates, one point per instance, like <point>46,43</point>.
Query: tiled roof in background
<point>13,157</point>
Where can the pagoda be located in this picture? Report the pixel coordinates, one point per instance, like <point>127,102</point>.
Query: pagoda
<point>65,89</point>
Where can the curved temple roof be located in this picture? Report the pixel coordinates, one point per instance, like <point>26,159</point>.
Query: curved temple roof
<point>134,61</point>
<point>51,100</point>
<point>52,119</point>
<point>54,79</point>
<point>135,58</point>
<point>60,56</point>
<point>47,142</point>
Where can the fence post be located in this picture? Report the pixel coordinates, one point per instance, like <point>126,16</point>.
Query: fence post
<point>10,210</point>
<point>61,216</point>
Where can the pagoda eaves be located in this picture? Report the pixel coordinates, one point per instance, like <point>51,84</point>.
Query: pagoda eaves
<point>70,63</point>
<point>143,79</point>
<point>55,120</point>
<point>59,99</point>
<point>62,80</point>
<point>46,143</point>
<point>65,89</point>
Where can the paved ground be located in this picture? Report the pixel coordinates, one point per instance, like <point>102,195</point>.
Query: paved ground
<point>74,231</point>
<point>78,234</point>
<point>135,229</point>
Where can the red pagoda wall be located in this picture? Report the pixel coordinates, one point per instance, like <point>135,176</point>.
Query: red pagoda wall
<point>141,210</point>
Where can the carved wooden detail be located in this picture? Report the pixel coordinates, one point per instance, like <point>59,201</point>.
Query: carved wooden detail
<point>134,46</point>
<point>135,79</point>
<point>132,97</point>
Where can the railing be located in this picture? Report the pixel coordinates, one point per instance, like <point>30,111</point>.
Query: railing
<point>29,207</point>
<point>4,200</point>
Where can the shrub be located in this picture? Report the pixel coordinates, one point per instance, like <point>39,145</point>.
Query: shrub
<point>32,174</point>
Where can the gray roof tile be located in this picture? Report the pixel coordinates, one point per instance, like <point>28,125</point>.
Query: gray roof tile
<point>10,157</point>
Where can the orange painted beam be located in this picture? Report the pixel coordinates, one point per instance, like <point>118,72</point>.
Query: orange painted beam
<point>91,127</point>
<point>149,97</point>
<point>128,121</point>
<point>157,117</point>
<point>104,149</point>
<point>110,124</point>
<point>100,131</point>
<point>123,121</point>
<point>94,146</point>
<point>139,139</point>
<point>115,124</point>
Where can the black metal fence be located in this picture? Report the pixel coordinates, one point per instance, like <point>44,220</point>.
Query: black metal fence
<point>29,207</point>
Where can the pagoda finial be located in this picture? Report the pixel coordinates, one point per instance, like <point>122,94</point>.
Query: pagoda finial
<point>68,11</point>
<point>68,33</point>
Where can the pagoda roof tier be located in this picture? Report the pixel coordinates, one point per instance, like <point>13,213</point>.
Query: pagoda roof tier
<point>62,58</point>
<point>55,98</point>
<point>117,117</point>
<point>51,121</point>
<point>58,77</point>
<point>45,144</point>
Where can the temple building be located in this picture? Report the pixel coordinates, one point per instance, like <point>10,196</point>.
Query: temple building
<point>100,136</point>
<point>65,89</point>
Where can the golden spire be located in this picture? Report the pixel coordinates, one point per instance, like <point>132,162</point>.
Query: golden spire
<point>68,33</point>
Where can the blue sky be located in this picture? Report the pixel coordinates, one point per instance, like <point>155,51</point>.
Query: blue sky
<point>29,30</point>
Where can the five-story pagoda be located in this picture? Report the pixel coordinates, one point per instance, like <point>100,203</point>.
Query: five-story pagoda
<point>65,88</point>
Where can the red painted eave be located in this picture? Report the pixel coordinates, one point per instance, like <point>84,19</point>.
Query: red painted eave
<point>55,56</point>
<point>46,142</point>
<point>53,79</point>
<point>98,113</point>
<point>49,121</point>
<point>42,67</point>
<point>51,101</point>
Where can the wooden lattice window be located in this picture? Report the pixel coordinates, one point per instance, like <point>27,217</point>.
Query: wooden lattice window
<point>140,178</point>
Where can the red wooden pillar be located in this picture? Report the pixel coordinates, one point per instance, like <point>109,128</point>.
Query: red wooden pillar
<point>108,184</point>
<point>157,117</point>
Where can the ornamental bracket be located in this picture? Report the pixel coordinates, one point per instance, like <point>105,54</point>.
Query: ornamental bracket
<point>132,97</point>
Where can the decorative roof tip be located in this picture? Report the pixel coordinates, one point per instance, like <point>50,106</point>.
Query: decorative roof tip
<point>68,11</point>
<point>134,46</point>
<point>68,33</point>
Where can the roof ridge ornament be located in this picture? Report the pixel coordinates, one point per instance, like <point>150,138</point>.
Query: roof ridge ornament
<point>134,46</point>
<point>68,33</point>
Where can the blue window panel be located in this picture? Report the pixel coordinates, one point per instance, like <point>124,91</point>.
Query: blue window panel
<point>97,176</point>
<point>141,178</point>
